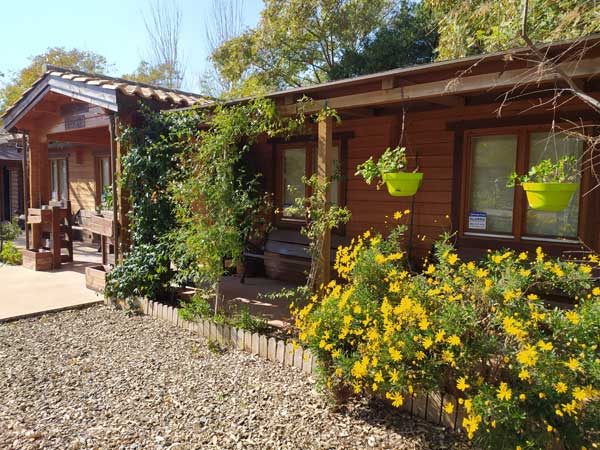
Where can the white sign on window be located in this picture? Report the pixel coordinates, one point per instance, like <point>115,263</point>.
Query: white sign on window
<point>477,220</point>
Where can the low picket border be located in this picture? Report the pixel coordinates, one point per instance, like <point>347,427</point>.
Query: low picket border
<point>430,407</point>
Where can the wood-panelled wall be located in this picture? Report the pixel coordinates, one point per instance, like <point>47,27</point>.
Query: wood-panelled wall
<point>431,145</point>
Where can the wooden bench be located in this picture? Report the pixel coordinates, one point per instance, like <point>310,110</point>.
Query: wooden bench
<point>286,256</point>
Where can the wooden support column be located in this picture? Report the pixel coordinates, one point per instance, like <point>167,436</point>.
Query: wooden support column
<point>325,159</point>
<point>39,171</point>
<point>55,238</point>
<point>120,202</point>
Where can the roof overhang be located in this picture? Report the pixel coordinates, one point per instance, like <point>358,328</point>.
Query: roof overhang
<point>95,95</point>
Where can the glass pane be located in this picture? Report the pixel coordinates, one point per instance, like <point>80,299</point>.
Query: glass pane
<point>556,224</point>
<point>105,168</point>
<point>336,173</point>
<point>294,168</point>
<point>494,159</point>
<point>54,178</point>
<point>63,179</point>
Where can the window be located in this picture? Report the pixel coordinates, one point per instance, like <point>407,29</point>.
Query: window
<point>298,161</point>
<point>492,208</point>
<point>58,179</point>
<point>294,168</point>
<point>543,223</point>
<point>104,178</point>
<point>493,160</point>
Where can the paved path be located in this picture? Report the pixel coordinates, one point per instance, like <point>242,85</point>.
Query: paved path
<point>24,292</point>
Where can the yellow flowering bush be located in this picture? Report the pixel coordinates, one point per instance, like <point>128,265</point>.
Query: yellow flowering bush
<point>527,375</point>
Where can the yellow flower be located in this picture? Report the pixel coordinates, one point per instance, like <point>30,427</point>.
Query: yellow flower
<point>396,398</point>
<point>407,211</point>
<point>420,355</point>
<point>481,273</point>
<point>439,336</point>
<point>504,393</point>
<point>427,342</point>
<point>522,397</point>
<point>461,384</point>
<point>397,215</point>
<point>596,291</point>
<point>560,387</point>
<point>394,376</point>
<point>524,375</point>
<point>471,424</point>
<point>380,259</point>
<point>452,258</point>
<point>430,269</point>
<point>528,357</point>
<point>447,356</point>
<point>549,428</point>
<point>449,408</point>
<point>546,346</point>
<point>523,256</point>
<point>573,364</point>
<point>453,340</point>
<point>572,316</point>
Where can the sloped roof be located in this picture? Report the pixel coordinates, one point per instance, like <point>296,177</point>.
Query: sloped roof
<point>97,89</point>
<point>8,147</point>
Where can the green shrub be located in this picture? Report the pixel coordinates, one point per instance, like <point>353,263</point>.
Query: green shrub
<point>11,255</point>
<point>9,231</point>
<point>528,376</point>
<point>244,320</point>
<point>196,308</point>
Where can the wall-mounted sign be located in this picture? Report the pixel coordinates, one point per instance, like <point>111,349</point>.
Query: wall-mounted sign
<point>74,122</point>
<point>477,220</point>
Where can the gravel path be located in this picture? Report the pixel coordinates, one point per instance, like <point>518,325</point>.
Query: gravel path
<point>98,379</point>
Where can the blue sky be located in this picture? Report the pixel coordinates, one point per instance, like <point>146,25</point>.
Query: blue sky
<point>113,28</point>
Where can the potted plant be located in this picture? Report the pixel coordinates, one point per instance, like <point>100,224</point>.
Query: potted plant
<point>549,186</point>
<point>389,169</point>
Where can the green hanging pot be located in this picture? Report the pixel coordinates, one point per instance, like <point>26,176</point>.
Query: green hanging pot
<point>549,196</point>
<point>403,184</point>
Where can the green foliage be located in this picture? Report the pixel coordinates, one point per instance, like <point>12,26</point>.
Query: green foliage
<point>297,42</point>
<point>392,160</point>
<point>11,255</point>
<point>408,38</point>
<point>468,27</point>
<point>196,308</point>
<point>565,170</point>
<point>220,202</point>
<point>244,320</point>
<point>151,163</point>
<point>9,231</point>
<point>58,56</point>
<point>107,198</point>
<point>527,376</point>
<point>320,216</point>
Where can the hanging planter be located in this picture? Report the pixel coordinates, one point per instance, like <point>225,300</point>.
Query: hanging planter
<point>402,184</point>
<point>389,170</point>
<point>549,186</point>
<point>549,196</point>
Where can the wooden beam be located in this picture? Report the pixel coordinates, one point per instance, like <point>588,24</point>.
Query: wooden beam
<point>325,159</point>
<point>437,89</point>
<point>359,112</point>
<point>446,100</point>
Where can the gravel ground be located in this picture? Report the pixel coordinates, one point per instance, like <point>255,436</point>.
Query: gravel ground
<point>96,378</point>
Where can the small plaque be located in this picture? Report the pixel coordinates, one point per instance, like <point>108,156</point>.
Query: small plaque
<point>75,122</point>
<point>477,220</point>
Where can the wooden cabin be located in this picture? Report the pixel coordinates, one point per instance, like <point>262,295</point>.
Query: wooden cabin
<point>11,177</point>
<point>466,124</point>
<point>71,121</point>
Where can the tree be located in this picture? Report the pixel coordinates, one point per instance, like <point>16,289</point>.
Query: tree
<point>469,27</point>
<point>163,65</point>
<point>409,38</point>
<point>298,42</point>
<point>22,80</point>
<point>225,21</point>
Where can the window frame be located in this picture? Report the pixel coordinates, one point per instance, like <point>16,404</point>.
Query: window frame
<point>519,220</point>
<point>98,175</point>
<point>309,168</point>
<point>53,159</point>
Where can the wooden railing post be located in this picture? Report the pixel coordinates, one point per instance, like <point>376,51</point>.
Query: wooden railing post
<point>324,171</point>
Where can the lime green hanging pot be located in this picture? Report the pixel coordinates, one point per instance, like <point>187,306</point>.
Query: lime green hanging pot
<point>403,184</point>
<point>549,196</point>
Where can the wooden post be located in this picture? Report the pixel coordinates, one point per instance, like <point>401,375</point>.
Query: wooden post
<point>55,237</point>
<point>114,162</point>
<point>39,172</point>
<point>25,162</point>
<point>324,172</point>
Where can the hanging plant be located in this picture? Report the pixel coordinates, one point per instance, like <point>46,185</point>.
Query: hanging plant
<point>549,186</point>
<point>389,169</point>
